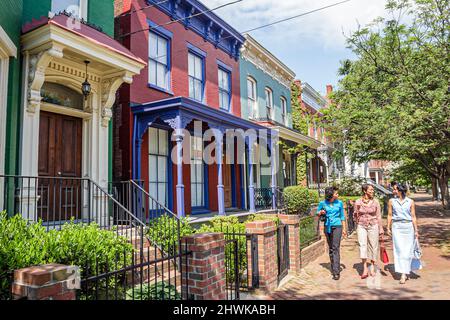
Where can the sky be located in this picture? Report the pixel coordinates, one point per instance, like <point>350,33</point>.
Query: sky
<point>313,45</point>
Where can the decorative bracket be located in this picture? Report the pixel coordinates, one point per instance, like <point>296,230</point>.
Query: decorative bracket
<point>187,20</point>
<point>109,89</point>
<point>36,74</point>
<point>218,37</point>
<point>208,30</point>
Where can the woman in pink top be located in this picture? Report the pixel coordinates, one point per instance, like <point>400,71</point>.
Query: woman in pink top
<point>367,215</point>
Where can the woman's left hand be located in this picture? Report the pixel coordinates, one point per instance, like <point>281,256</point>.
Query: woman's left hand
<point>416,233</point>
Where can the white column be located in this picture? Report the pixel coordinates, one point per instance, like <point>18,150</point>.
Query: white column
<point>220,186</point>
<point>180,186</point>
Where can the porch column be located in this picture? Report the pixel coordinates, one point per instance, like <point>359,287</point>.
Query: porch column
<point>220,186</point>
<point>274,155</point>
<point>180,186</point>
<point>251,186</point>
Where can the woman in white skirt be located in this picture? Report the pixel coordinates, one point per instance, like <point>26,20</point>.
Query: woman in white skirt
<point>402,218</point>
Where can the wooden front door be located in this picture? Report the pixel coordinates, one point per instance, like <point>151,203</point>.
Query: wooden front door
<point>227,185</point>
<point>59,186</point>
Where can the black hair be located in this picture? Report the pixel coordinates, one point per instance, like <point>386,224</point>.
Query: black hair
<point>329,192</point>
<point>402,188</point>
<point>394,183</point>
<point>364,187</point>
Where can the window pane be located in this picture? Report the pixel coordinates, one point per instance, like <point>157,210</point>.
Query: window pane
<point>153,46</point>
<point>152,72</point>
<point>162,169</point>
<point>152,140</point>
<point>152,168</point>
<point>199,195</point>
<point>162,193</point>
<point>198,90</point>
<point>162,50</point>
<point>153,191</point>
<point>163,142</point>
<point>198,68</point>
<point>161,76</point>
<point>191,88</point>
<point>191,62</point>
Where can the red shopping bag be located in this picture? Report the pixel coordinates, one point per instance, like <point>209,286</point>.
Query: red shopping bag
<point>383,253</point>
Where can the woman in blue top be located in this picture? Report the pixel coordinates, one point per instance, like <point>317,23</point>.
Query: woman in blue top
<point>333,210</point>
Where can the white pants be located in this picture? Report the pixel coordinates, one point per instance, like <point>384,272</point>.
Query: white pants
<point>368,239</point>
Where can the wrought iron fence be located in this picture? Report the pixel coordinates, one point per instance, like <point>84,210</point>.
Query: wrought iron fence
<point>309,231</point>
<point>141,273</point>
<point>282,251</point>
<point>242,264</point>
<point>263,198</point>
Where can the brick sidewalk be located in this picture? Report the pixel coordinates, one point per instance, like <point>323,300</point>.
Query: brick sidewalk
<point>432,282</point>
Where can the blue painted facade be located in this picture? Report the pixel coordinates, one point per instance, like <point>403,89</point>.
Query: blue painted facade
<point>263,80</point>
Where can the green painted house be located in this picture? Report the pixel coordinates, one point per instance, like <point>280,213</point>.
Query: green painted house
<point>60,71</point>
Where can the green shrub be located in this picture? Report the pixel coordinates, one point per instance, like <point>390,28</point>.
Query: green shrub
<point>23,245</point>
<point>164,232</point>
<point>157,291</point>
<point>258,217</point>
<point>298,199</point>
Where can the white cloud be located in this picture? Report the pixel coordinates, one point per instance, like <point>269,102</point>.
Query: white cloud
<point>324,28</point>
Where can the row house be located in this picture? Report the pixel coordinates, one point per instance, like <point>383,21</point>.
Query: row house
<point>321,166</point>
<point>190,86</point>
<point>64,70</point>
<point>266,99</point>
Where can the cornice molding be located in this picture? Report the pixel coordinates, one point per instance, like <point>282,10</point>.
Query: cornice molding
<point>261,58</point>
<point>7,47</point>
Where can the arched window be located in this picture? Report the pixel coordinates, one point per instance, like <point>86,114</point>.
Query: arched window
<point>252,99</point>
<point>61,95</point>
<point>269,103</point>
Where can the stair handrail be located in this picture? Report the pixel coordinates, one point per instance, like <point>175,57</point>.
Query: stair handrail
<point>153,199</point>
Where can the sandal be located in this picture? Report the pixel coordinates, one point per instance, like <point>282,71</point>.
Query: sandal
<point>402,280</point>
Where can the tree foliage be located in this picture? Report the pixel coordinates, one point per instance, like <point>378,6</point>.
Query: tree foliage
<point>393,99</point>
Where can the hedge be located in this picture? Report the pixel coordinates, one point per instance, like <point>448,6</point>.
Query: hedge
<point>298,199</point>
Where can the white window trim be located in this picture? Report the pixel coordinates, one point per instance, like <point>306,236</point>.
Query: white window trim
<point>7,50</point>
<point>283,101</point>
<point>269,90</point>
<point>254,112</point>
<point>83,9</point>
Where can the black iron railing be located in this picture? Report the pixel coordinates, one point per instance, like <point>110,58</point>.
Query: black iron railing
<point>149,267</point>
<point>263,198</point>
<point>282,251</point>
<point>309,231</point>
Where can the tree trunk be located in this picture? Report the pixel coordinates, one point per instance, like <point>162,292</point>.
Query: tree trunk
<point>434,189</point>
<point>445,196</point>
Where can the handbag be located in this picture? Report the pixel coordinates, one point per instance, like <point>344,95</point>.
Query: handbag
<point>383,253</point>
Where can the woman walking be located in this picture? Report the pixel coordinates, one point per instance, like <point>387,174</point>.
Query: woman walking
<point>333,211</point>
<point>369,229</point>
<point>402,218</point>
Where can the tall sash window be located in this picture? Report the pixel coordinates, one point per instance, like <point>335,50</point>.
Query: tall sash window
<point>158,160</point>
<point>197,173</point>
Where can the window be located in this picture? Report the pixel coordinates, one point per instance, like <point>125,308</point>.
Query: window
<point>269,103</point>
<point>283,110</point>
<point>77,8</point>
<point>197,173</point>
<point>251,98</point>
<point>61,95</point>
<point>158,65</point>
<point>224,89</point>
<point>196,77</point>
<point>158,160</point>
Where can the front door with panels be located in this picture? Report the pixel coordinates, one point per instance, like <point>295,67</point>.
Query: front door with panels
<point>227,183</point>
<point>60,154</point>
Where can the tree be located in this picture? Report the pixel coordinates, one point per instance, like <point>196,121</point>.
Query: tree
<point>393,99</point>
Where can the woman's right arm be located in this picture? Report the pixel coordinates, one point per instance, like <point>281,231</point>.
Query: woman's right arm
<point>389,217</point>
